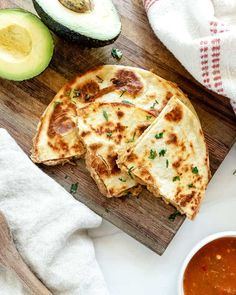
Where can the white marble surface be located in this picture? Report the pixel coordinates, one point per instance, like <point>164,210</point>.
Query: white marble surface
<point>131,268</point>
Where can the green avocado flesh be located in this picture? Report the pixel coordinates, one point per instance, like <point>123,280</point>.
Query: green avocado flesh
<point>26,45</point>
<point>97,27</point>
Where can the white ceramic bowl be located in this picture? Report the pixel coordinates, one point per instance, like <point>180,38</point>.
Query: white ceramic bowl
<point>195,250</point>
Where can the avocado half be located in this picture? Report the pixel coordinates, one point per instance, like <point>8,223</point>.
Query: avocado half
<point>95,26</point>
<point>26,45</point>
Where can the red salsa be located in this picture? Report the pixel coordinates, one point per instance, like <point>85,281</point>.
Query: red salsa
<point>212,270</point>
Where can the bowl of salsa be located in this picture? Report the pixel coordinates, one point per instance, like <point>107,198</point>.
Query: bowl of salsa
<point>210,267</point>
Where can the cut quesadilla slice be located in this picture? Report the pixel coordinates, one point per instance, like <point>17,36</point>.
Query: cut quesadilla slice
<point>56,140</point>
<point>108,83</point>
<point>171,158</point>
<point>104,129</point>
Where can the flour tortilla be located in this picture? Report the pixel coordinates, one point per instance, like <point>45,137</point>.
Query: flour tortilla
<point>56,140</point>
<point>171,158</point>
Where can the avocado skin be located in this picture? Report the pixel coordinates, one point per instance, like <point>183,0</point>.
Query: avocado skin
<point>68,34</point>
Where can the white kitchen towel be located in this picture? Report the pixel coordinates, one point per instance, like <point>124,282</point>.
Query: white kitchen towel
<point>49,227</point>
<point>202,36</point>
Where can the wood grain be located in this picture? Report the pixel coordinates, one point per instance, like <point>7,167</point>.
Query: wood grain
<point>21,104</point>
<point>11,259</point>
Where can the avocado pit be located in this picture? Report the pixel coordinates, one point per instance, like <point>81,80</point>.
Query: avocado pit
<point>79,6</point>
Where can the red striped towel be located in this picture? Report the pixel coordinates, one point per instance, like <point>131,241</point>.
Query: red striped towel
<point>202,36</point>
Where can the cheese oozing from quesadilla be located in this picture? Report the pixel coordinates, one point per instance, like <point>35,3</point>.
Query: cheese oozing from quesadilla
<point>105,129</point>
<point>171,158</point>
<point>56,140</point>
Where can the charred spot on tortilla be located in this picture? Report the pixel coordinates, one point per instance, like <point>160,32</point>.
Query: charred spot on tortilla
<point>175,115</point>
<point>120,114</point>
<point>127,80</point>
<point>89,89</point>
<point>171,139</point>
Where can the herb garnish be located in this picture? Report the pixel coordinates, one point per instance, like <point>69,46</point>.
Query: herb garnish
<point>190,185</point>
<point>132,139</point>
<point>195,170</point>
<point>130,171</point>
<point>109,134</point>
<point>154,104</point>
<point>116,53</point>
<point>105,115</point>
<point>234,172</point>
<point>87,97</point>
<point>57,103</point>
<point>158,136</point>
<point>148,118</point>
<point>73,188</point>
<point>127,102</point>
<point>176,178</point>
<point>100,79</point>
<point>167,163</point>
<point>162,153</point>
<point>76,93</point>
<point>153,154</point>
<point>74,100</point>
<point>122,93</point>
<point>122,179</point>
<point>174,215</point>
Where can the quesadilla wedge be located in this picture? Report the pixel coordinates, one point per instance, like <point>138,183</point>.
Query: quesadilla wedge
<point>171,158</point>
<point>104,129</point>
<point>56,139</point>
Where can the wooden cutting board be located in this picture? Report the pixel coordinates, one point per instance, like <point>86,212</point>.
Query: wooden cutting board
<point>21,103</point>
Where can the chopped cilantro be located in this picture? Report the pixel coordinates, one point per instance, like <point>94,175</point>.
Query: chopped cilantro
<point>153,154</point>
<point>132,139</point>
<point>57,103</point>
<point>190,185</point>
<point>174,215</point>
<point>76,93</point>
<point>162,153</point>
<point>87,97</point>
<point>73,188</point>
<point>159,135</point>
<point>73,99</point>
<point>100,79</point>
<point>176,178</point>
<point>130,172</point>
<point>234,172</point>
<point>122,179</point>
<point>105,115</point>
<point>122,93</point>
<point>109,134</point>
<point>195,170</point>
<point>167,163</point>
<point>127,102</point>
<point>154,104</point>
<point>116,53</point>
<point>148,118</point>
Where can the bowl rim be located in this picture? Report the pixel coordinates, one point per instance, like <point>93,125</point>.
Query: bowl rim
<point>195,249</point>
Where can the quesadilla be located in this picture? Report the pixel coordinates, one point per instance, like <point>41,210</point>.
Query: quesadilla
<point>56,140</point>
<point>171,158</point>
<point>105,129</point>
